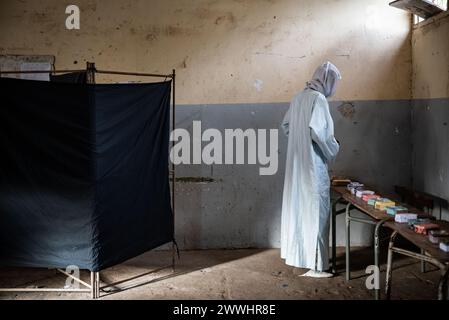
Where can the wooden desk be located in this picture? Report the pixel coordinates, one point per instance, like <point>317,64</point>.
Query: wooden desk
<point>375,217</point>
<point>430,252</point>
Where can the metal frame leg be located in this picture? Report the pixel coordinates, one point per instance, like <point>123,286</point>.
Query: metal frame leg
<point>92,285</point>
<point>377,253</point>
<point>390,266</point>
<point>173,259</point>
<point>87,289</point>
<point>334,235</point>
<point>348,241</point>
<point>334,214</point>
<point>423,263</point>
<point>95,284</point>
<point>442,285</point>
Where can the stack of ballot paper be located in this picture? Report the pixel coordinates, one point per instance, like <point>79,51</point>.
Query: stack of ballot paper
<point>417,221</point>
<point>340,181</point>
<point>383,203</point>
<point>360,193</point>
<point>395,209</point>
<point>437,236</point>
<point>366,197</point>
<point>439,233</point>
<point>354,189</point>
<point>424,228</point>
<point>444,246</point>
<point>354,186</point>
<point>437,240</point>
<point>372,201</point>
<point>405,217</point>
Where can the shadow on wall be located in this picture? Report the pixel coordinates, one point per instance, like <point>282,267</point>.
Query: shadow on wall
<point>431,146</point>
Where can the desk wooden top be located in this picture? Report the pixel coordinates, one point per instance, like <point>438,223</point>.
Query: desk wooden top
<point>370,210</point>
<point>403,229</point>
<point>360,204</point>
<point>421,241</point>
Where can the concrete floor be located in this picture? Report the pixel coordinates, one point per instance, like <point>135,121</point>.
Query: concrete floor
<point>229,274</point>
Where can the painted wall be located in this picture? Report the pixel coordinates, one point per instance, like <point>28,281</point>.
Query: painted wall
<point>430,113</point>
<point>430,43</point>
<point>221,48</point>
<point>239,63</point>
<point>238,207</point>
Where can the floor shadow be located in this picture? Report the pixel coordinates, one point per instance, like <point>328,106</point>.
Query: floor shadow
<point>360,256</point>
<point>127,275</point>
<point>188,262</point>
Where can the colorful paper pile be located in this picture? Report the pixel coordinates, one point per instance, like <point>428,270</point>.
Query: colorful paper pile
<point>405,217</point>
<point>372,201</point>
<point>444,246</point>
<point>383,203</point>
<point>395,210</point>
<point>360,193</point>
<point>366,197</point>
<point>424,228</point>
<point>437,236</point>
<point>354,186</point>
<point>417,221</point>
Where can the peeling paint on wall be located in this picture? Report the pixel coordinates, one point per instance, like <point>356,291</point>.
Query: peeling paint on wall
<point>258,84</point>
<point>347,110</point>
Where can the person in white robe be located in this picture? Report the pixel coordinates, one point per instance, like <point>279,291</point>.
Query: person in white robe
<point>306,197</point>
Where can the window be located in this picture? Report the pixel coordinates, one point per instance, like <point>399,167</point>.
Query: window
<point>421,9</point>
<point>26,63</point>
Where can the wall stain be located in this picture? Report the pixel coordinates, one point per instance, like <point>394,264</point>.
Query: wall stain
<point>204,13</point>
<point>228,18</point>
<point>150,37</point>
<point>38,18</point>
<point>153,32</point>
<point>183,64</point>
<point>196,180</point>
<point>173,31</point>
<point>347,110</point>
<point>91,5</point>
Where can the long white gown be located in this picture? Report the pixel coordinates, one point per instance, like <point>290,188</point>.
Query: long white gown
<point>306,198</point>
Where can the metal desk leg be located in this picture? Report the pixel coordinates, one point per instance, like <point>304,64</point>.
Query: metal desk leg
<point>423,263</point>
<point>92,285</point>
<point>95,285</point>
<point>334,236</point>
<point>377,253</point>
<point>348,242</point>
<point>390,266</point>
<point>442,285</point>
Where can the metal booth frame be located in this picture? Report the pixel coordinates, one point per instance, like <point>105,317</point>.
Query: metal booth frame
<point>94,287</point>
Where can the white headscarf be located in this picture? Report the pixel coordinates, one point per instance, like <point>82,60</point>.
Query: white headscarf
<point>325,79</point>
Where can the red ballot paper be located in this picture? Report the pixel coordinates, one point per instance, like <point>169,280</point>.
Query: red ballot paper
<point>425,228</point>
<point>366,197</point>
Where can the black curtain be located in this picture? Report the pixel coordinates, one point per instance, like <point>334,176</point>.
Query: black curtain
<point>73,77</point>
<point>83,173</point>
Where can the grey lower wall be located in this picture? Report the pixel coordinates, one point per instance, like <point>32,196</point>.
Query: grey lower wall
<point>430,138</point>
<point>238,208</point>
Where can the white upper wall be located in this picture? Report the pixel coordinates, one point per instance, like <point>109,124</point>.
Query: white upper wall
<point>431,58</point>
<point>225,51</point>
